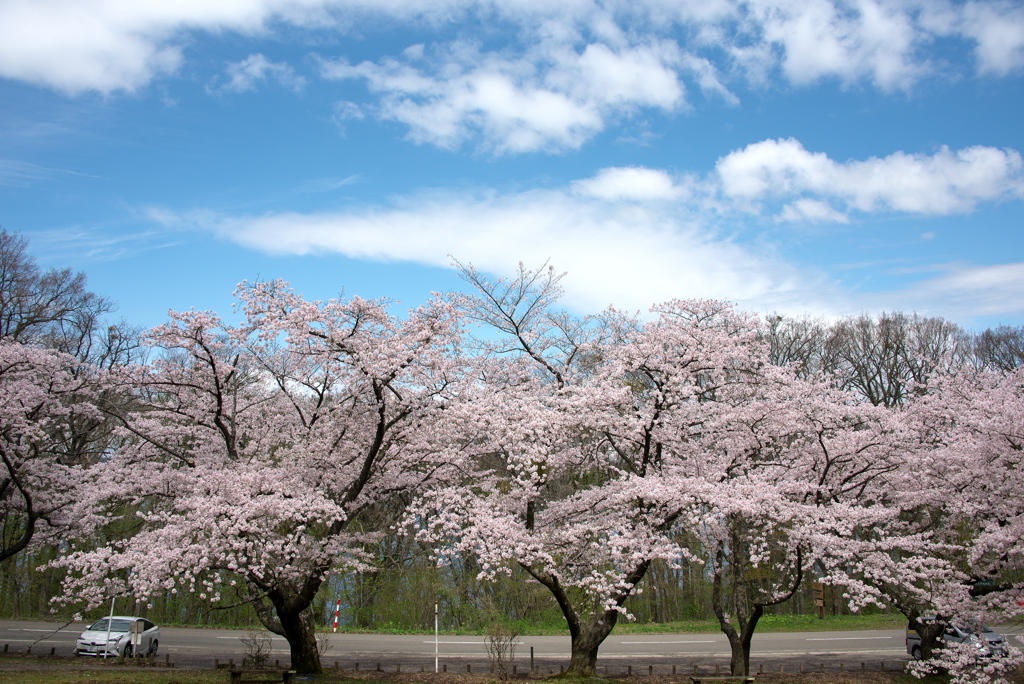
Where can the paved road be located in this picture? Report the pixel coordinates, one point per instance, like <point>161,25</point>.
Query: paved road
<point>200,647</point>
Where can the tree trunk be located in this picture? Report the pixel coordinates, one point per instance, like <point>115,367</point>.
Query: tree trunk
<point>928,630</point>
<point>739,640</point>
<point>587,637</point>
<point>585,643</point>
<point>739,643</point>
<point>292,619</point>
<point>300,631</point>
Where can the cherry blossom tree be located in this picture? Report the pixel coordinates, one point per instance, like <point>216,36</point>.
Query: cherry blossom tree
<point>755,461</point>
<point>772,476</point>
<point>52,348</point>
<point>43,393</point>
<point>253,450</point>
<point>971,449</point>
<point>577,437</point>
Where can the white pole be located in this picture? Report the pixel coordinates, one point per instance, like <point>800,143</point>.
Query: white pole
<point>109,620</point>
<point>435,638</point>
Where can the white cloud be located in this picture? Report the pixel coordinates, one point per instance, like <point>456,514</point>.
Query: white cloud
<point>849,41</point>
<point>553,98</point>
<point>624,55</point>
<point>630,183</point>
<point>245,75</point>
<point>811,211</point>
<point>627,254</point>
<point>998,29</point>
<point>631,236</point>
<point>943,183</point>
<point>963,291</point>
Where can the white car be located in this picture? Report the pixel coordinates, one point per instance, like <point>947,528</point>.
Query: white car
<point>119,642</point>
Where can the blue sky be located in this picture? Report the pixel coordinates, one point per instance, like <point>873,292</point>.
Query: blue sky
<point>802,156</point>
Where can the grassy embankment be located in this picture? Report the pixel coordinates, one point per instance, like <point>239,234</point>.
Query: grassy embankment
<point>768,623</point>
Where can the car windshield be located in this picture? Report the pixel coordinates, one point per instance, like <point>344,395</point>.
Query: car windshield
<point>976,627</point>
<point>115,626</point>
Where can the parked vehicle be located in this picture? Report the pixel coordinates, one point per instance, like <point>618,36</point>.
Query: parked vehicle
<point>120,640</point>
<point>972,632</point>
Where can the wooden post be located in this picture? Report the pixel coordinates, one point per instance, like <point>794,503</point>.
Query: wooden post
<point>673,669</point>
<point>650,669</point>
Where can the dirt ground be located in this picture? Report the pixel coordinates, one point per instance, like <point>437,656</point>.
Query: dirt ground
<point>54,665</point>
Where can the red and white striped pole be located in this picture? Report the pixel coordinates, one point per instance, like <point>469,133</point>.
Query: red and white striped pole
<point>337,608</point>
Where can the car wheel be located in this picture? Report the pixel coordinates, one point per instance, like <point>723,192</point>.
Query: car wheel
<point>916,652</point>
<point>153,646</point>
<point>127,651</point>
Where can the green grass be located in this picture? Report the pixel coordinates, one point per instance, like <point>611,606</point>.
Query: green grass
<point>768,623</point>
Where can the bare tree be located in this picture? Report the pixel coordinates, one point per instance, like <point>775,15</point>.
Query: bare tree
<point>795,342</point>
<point>50,308</point>
<point>1001,348</point>
<point>885,358</point>
<point>501,641</point>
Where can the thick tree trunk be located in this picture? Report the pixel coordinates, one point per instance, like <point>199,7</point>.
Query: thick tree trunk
<point>585,643</point>
<point>587,637</point>
<point>928,630</point>
<point>291,618</point>
<point>300,631</point>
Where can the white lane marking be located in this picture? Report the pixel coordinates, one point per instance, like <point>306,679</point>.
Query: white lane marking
<point>475,643</point>
<point>851,638</point>
<point>26,629</point>
<point>708,641</point>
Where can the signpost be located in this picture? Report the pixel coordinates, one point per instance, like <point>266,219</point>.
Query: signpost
<point>819,599</point>
<point>137,628</point>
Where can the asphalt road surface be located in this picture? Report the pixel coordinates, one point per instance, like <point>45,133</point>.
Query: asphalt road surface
<point>200,648</point>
